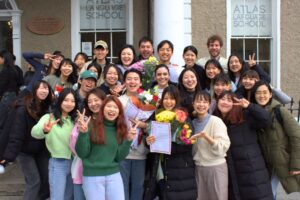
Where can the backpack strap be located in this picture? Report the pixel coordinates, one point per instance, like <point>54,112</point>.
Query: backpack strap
<point>278,114</point>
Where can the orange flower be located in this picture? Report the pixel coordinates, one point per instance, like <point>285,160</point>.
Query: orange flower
<point>181,116</point>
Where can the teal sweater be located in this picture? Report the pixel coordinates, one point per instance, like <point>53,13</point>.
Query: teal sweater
<point>102,159</point>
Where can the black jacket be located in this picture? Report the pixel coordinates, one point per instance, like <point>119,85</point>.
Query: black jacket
<point>248,175</point>
<point>179,174</point>
<point>20,139</point>
<point>11,78</point>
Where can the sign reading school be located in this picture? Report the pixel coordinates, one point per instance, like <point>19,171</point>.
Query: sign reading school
<point>102,14</point>
<point>251,17</point>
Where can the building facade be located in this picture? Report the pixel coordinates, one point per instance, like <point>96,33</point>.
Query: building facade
<point>268,28</point>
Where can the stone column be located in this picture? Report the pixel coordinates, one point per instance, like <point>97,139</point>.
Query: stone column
<point>16,36</point>
<point>168,24</point>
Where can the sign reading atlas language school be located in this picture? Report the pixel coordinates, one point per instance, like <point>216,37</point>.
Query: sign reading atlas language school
<point>102,14</point>
<point>251,18</point>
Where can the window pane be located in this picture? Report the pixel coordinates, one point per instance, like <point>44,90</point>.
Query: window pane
<point>119,39</point>
<point>237,47</point>
<point>264,49</point>
<point>250,47</point>
<point>265,66</point>
<point>88,37</point>
<point>105,36</point>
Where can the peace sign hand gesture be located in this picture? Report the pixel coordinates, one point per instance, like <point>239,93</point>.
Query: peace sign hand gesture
<point>48,56</point>
<point>252,61</point>
<point>48,125</point>
<point>241,102</point>
<point>83,122</point>
<point>132,133</point>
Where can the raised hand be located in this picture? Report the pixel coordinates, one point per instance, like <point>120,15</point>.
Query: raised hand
<point>252,61</point>
<point>48,56</point>
<point>48,125</point>
<point>141,124</point>
<point>83,122</point>
<point>117,89</point>
<point>132,132</point>
<point>241,102</point>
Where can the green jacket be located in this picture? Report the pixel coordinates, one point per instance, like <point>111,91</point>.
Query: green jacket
<point>281,148</point>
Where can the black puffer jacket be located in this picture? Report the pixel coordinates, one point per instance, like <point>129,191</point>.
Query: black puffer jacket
<point>179,174</point>
<point>20,139</point>
<point>248,175</point>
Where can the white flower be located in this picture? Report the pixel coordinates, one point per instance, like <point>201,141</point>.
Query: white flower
<point>148,97</point>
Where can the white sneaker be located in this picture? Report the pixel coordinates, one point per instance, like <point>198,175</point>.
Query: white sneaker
<point>2,169</point>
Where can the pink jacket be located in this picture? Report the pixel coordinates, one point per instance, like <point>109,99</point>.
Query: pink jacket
<point>77,168</point>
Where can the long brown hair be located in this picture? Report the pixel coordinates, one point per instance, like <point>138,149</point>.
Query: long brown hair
<point>98,135</point>
<point>34,106</point>
<point>235,115</point>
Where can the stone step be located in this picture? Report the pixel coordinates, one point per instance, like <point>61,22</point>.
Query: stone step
<point>11,183</point>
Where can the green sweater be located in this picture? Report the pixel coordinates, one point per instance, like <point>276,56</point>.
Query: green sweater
<point>102,159</point>
<point>57,140</point>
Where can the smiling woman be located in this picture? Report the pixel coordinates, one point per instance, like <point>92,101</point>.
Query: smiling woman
<point>112,84</point>
<point>64,77</point>
<point>101,148</point>
<point>56,129</point>
<point>188,85</point>
<point>282,137</point>
<point>249,178</point>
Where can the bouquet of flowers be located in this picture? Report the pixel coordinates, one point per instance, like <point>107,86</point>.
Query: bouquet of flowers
<point>181,131</point>
<point>149,97</point>
<point>147,68</point>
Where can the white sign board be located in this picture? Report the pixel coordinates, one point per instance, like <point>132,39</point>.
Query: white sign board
<point>86,48</point>
<point>251,18</point>
<point>102,14</point>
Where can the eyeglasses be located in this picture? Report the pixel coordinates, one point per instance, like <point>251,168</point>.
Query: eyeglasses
<point>259,93</point>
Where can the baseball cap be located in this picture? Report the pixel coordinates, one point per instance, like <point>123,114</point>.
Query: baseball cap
<point>101,43</point>
<point>88,74</point>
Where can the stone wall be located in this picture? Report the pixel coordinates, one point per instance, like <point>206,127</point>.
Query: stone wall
<point>141,22</point>
<point>208,17</point>
<point>290,48</point>
<point>46,43</point>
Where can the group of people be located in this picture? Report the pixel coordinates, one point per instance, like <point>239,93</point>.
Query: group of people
<point>70,132</point>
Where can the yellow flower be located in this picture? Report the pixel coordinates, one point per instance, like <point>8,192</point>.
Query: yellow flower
<point>186,126</point>
<point>165,116</point>
<point>188,134</point>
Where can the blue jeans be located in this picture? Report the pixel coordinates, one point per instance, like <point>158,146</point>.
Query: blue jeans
<point>60,180</point>
<point>274,184</point>
<point>108,187</point>
<point>133,175</point>
<point>78,192</point>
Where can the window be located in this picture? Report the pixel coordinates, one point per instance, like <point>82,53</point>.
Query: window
<point>103,20</point>
<point>251,30</point>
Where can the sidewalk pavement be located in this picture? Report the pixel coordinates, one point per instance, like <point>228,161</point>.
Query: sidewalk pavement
<point>12,186</point>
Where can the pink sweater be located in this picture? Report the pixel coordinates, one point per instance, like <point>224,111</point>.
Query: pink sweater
<point>77,168</point>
